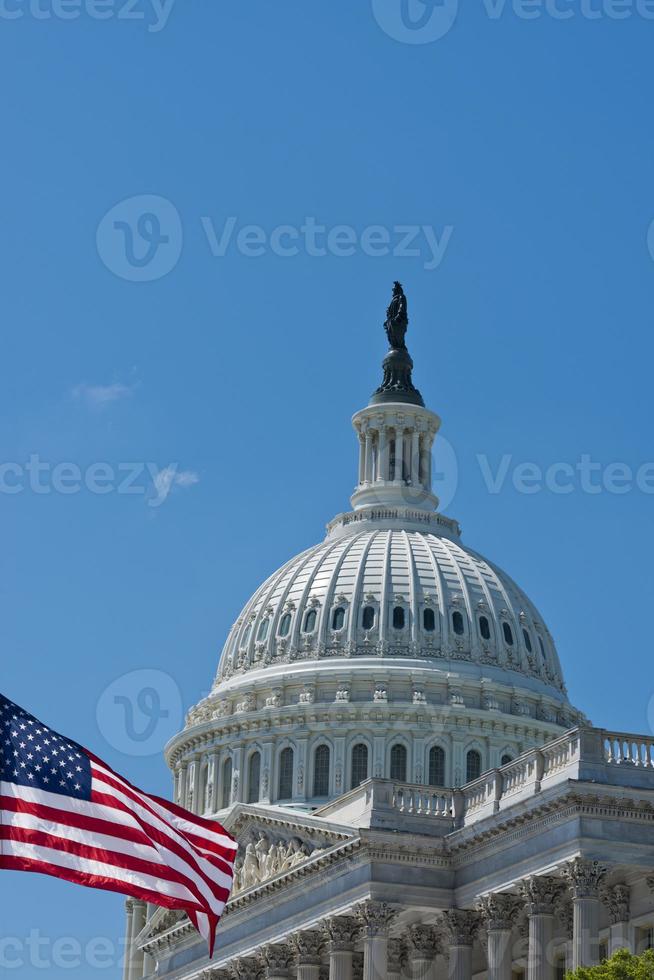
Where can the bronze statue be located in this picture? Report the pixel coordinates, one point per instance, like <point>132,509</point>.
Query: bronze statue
<point>397,319</point>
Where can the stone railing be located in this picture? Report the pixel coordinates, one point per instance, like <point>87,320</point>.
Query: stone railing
<point>377,803</point>
<point>422,801</point>
<point>583,754</point>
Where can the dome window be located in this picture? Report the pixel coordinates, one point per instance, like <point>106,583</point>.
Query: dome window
<point>506,759</point>
<point>246,635</point>
<point>338,618</point>
<point>285,624</point>
<point>436,766</point>
<point>254,777</point>
<point>398,763</point>
<point>321,771</point>
<point>457,623</point>
<point>428,620</point>
<point>262,632</point>
<point>286,774</point>
<point>508,634</point>
<point>473,765</point>
<point>368,617</point>
<point>227,783</point>
<point>359,765</point>
<point>484,628</point>
<point>310,621</point>
<point>527,637</point>
<point>542,647</point>
<point>398,618</point>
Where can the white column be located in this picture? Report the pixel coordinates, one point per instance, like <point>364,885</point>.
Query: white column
<point>196,802</point>
<point>129,936</point>
<point>183,776</point>
<point>237,776</point>
<point>266,773</point>
<point>540,895</point>
<point>585,878</point>
<point>340,933</point>
<point>399,453</point>
<point>428,466</point>
<point>382,474</point>
<point>461,926</point>
<point>499,912</point>
<point>423,948</point>
<point>362,458</point>
<point>214,802</point>
<point>135,955</point>
<point>374,918</point>
<point>368,454</point>
<point>415,458</point>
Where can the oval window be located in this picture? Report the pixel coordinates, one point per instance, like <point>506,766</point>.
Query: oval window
<point>246,635</point>
<point>398,618</point>
<point>368,617</point>
<point>527,637</point>
<point>338,618</point>
<point>508,634</point>
<point>262,632</point>
<point>429,620</point>
<point>484,627</point>
<point>457,623</point>
<point>285,624</point>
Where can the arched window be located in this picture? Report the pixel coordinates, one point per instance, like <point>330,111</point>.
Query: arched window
<point>285,774</point>
<point>359,765</point>
<point>262,632</point>
<point>310,621</point>
<point>398,618</point>
<point>484,628</point>
<point>508,634</point>
<point>246,635</point>
<point>398,763</point>
<point>338,618</point>
<point>473,765</point>
<point>527,637</point>
<point>506,759</point>
<point>227,783</point>
<point>428,620</point>
<point>457,623</point>
<point>321,771</point>
<point>285,624</point>
<point>254,777</point>
<point>436,766</point>
<point>368,617</point>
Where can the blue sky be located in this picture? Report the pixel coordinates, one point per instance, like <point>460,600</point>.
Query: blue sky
<point>168,307</point>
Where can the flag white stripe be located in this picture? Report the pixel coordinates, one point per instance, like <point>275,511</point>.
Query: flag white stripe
<point>61,859</point>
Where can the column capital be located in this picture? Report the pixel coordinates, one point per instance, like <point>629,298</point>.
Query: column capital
<point>461,926</point>
<point>308,946</point>
<point>584,877</point>
<point>277,959</point>
<point>217,973</point>
<point>341,932</point>
<point>423,941</point>
<point>396,955</point>
<point>245,968</point>
<point>540,894</point>
<point>499,911</point>
<point>374,917</point>
<point>617,899</point>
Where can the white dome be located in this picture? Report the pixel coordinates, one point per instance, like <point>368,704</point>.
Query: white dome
<point>389,587</point>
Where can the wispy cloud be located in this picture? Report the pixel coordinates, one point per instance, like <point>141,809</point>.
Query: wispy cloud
<point>167,479</point>
<point>99,396</point>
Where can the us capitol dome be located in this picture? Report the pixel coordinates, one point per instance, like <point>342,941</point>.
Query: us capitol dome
<point>388,650</point>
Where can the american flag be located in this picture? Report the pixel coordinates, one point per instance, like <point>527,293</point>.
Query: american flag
<point>64,812</point>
